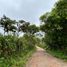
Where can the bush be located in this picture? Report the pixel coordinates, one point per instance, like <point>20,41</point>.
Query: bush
<point>11,44</point>
<point>29,41</point>
<point>58,54</point>
<point>13,48</point>
<point>8,45</point>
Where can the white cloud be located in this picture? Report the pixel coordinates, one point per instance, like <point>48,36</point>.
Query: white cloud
<point>29,10</point>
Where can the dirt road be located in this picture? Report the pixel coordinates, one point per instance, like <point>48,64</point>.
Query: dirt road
<point>42,59</point>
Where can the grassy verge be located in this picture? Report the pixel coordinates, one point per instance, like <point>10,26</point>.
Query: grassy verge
<point>16,61</point>
<point>58,54</point>
<point>42,45</point>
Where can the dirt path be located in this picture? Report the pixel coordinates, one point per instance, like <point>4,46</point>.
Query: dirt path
<point>42,59</point>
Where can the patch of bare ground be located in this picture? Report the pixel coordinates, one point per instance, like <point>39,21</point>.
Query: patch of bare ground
<point>42,59</point>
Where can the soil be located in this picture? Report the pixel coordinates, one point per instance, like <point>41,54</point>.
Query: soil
<point>42,59</point>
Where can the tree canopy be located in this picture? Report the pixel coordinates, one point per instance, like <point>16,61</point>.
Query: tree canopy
<point>55,26</point>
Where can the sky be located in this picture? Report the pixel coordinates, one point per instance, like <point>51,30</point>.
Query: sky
<point>28,10</point>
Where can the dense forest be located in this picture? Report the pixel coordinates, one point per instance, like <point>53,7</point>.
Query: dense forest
<point>14,48</point>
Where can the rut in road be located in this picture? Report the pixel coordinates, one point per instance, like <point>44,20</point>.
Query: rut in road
<point>42,59</point>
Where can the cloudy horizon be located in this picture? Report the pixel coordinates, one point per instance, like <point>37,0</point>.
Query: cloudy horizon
<point>29,10</point>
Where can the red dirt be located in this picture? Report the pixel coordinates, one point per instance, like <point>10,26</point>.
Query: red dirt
<point>42,59</point>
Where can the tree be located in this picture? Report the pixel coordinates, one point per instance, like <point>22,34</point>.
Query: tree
<point>24,27</point>
<point>7,24</point>
<point>32,29</point>
<point>19,24</point>
<point>55,26</point>
<point>13,29</point>
<point>28,29</point>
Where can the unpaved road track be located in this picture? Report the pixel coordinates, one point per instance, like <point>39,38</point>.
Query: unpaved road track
<point>42,59</point>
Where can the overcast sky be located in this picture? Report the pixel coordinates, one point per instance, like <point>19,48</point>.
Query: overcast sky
<point>29,10</point>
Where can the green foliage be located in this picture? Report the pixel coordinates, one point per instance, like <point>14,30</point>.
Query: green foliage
<point>39,42</point>
<point>55,27</point>
<point>29,41</point>
<point>13,48</point>
<point>24,27</point>
<point>8,45</point>
<point>58,54</point>
<point>28,29</point>
<point>12,44</point>
<point>7,24</point>
<point>16,61</point>
<point>32,29</point>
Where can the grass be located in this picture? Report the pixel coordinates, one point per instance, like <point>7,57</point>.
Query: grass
<point>58,54</point>
<point>16,61</point>
<point>42,45</point>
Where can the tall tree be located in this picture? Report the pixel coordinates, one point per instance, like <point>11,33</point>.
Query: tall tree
<point>24,27</point>
<point>19,24</point>
<point>55,26</point>
<point>32,29</point>
<point>28,29</point>
<point>7,24</point>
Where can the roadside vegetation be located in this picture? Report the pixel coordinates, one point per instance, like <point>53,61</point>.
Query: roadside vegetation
<point>54,24</point>
<point>15,50</point>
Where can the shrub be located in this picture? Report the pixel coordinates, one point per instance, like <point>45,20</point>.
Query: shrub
<point>9,45</point>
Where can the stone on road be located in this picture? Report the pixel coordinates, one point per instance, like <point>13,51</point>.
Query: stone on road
<point>42,59</point>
